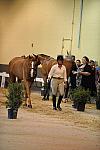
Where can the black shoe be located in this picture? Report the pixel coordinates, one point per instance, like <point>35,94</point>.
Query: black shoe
<point>47,97</point>
<point>59,108</point>
<point>44,98</point>
<point>54,108</point>
<point>54,102</point>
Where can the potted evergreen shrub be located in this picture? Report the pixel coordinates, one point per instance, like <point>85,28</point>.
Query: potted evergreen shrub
<point>98,97</point>
<point>14,99</point>
<point>80,97</point>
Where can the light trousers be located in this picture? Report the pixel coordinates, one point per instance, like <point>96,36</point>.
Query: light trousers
<point>57,86</point>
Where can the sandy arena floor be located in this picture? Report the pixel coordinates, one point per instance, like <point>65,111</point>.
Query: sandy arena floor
<point>42,128</point>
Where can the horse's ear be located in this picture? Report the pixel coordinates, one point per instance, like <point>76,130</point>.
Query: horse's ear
<point>37,57</point>
<point>34,55</point>
<point>29,56</point>
<point>23,56</point>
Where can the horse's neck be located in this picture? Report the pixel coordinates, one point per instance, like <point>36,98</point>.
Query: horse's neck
<point>46,61</point>
<point>42,60</point>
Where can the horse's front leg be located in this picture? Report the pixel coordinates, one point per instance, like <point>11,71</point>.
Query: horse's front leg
<point>28,91</point>
<point>26,96</point>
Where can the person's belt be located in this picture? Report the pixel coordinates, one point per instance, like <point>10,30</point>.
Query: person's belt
<point>57,78</point>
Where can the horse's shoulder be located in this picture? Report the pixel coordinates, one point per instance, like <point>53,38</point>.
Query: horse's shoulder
<point>16,62</point>
<point>66,62</point>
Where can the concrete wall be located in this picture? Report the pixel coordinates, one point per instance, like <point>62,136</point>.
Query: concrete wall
<point>90,35</point>
<point>44,23</point>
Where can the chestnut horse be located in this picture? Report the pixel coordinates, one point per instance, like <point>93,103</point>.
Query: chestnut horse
<point>47,62</point>
<point>24,68</point>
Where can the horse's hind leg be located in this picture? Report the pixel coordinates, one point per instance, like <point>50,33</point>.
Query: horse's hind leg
<point>28,86</point>
<point>25,97</point>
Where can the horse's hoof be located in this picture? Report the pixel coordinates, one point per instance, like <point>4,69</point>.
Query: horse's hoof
<point>24,105</point>
<point>29,106</point>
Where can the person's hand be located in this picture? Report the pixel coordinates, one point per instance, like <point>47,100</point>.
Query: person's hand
<point>74,72</point>
<point>79,72</point>
<point>65,85</point>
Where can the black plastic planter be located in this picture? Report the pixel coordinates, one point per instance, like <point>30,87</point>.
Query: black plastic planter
<point>98,105</point>
<point>15,114</point>
<point>74,104</point>
<point>12,114</point>
<point>80,106</point>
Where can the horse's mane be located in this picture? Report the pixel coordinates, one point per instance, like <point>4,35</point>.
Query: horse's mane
<point>45,56</point>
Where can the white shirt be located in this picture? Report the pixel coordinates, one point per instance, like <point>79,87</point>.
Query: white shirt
<point>58,72</point>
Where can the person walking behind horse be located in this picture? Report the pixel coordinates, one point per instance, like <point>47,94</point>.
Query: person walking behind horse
<point>58,77</point>
<point>73,74</point>
<point>78,77</point>
<point>86,72</point>
<point>93,79</point>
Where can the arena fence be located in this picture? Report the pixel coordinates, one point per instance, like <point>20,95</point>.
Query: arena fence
<point>5,75</point>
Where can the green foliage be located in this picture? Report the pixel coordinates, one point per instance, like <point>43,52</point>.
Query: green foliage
<point>14,96</point>
<point>80,95</point>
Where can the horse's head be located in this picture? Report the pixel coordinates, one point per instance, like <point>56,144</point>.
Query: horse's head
<point>33,64</point>
<point>37,59</point>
